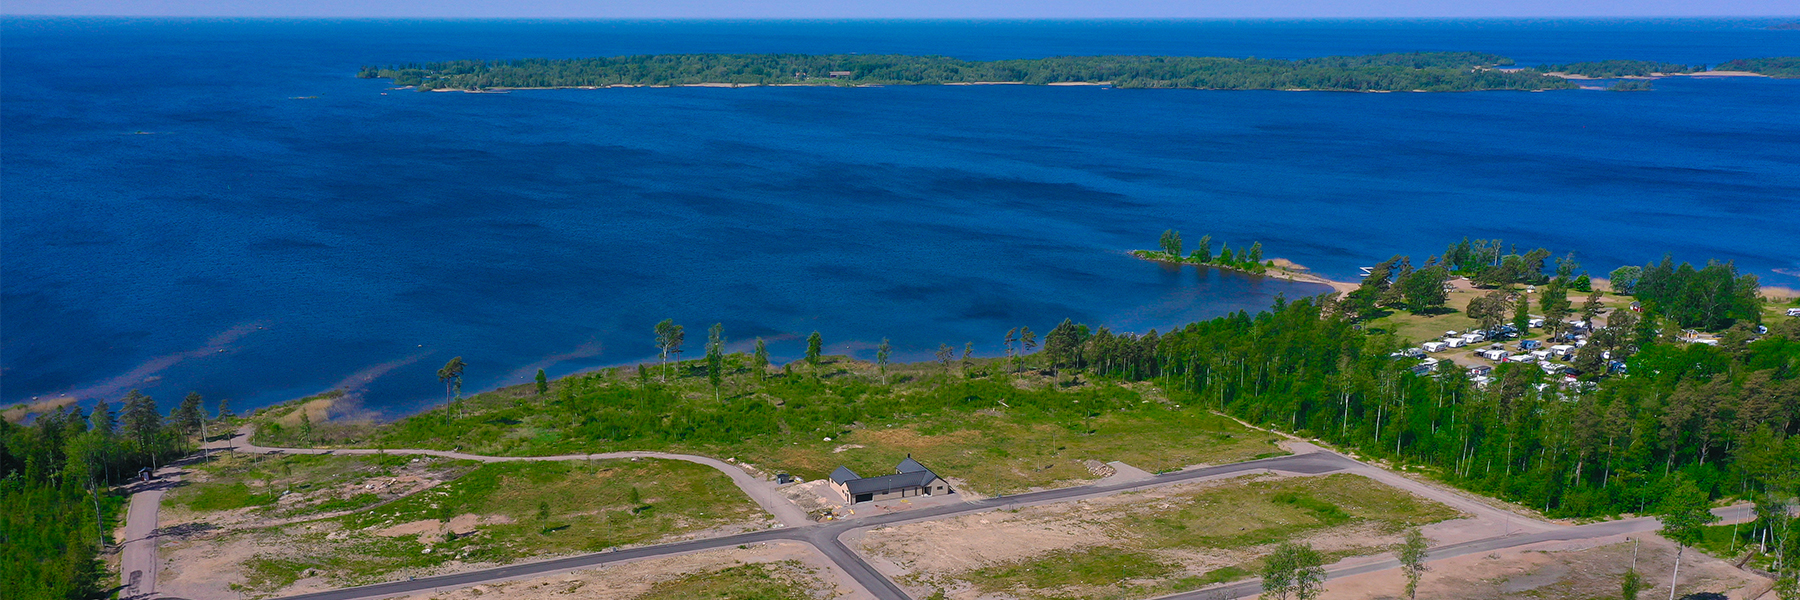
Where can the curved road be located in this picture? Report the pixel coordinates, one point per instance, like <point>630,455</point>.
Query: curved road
<point>826,536</point>
<point>763,492</point>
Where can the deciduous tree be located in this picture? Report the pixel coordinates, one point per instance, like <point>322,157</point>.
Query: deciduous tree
<point>1685,516</point>
<point>668,341</point>
<point>1412,560</point>
<point>1294,570</point>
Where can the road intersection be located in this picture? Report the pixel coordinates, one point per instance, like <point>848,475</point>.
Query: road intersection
<point>827,536</point>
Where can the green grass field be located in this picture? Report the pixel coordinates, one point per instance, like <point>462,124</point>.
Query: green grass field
<point>998,431</point>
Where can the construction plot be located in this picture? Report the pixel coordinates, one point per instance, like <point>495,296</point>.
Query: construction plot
<point>1144,544</point>
<point>495,514</point>
<point>770,571</point>
<point>1555,570</point>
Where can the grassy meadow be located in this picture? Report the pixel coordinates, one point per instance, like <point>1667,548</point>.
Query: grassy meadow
<point>996,427</point>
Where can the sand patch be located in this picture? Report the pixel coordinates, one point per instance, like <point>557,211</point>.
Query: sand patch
<point>1578,569</point>
<point>17,412</point>
<point>951,554</point>
<point>790,561</point>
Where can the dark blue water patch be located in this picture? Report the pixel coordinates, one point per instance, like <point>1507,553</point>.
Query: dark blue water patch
<point>221,206</point>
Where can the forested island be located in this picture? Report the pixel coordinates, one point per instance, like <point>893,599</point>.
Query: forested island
<point>1397,72</point>
<point>1416,71</point>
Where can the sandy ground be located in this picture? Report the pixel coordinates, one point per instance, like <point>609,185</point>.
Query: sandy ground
<point>1582,569</point>
<point>17,412</point>
<point>630,580</point>
<point>415,476</point>
<point>932,554</point>
<point>1305,274</point>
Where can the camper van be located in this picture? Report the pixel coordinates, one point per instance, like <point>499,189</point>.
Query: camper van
<point>1434,346</point>
<point>1455,342</point>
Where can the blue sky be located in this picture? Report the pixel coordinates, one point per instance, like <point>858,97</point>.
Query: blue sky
<point>904,9</point>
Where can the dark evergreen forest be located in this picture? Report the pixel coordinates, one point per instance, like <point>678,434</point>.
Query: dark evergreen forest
<point>1428,71</point>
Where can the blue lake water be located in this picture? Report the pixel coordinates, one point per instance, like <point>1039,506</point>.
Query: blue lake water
<point>220,206</point>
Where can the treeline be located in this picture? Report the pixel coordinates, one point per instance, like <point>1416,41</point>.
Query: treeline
<point>1723,417</point>
<point>1712,298</point>
<point>1787,67</point>
<point>1491,263</point>
<point>1427,71</point>
<point>56,507</point>
<point>1169,249</point>
<point>1609,69</point>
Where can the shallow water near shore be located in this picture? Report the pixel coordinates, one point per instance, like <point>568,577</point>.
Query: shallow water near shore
<point>221,206</point>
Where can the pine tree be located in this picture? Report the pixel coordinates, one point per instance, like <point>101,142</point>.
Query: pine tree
<point>882,354</point>
<point>715,357</point>
<point>451,375</point>
<point>815,347</point>
<point>760,359</point>
<point>142,420</point>
<point>543,382</point>
<point>187,416</point>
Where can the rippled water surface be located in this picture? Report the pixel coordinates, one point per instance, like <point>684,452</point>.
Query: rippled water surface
<point>221,206</point>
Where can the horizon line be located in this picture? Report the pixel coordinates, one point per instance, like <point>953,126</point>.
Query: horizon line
<point>987,19</point>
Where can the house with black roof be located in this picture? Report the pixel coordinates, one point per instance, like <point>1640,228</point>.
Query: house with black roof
<point>909,479</point>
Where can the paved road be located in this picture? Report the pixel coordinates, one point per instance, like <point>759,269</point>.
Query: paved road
<point>825,536</point>
<point>137,562</point>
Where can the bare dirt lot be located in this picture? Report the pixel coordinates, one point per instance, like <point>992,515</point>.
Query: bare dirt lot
<point>789,568</point>
<point>1576,570</point>
<point>1144,544</point>
<point>496,514</point>
<point>240,490</point>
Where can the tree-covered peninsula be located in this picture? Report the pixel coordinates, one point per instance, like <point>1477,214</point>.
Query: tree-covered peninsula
<point>1786,67</point>
<point>1426,71</point>
<point>1609,69</point>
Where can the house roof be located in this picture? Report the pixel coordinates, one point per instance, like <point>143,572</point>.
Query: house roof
<point>909,473</point>
<point>910,466</point>
<point>887,483</point>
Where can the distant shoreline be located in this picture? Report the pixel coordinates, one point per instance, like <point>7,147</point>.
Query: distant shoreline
<point>1280,268</point>
<point>1574,77</point>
